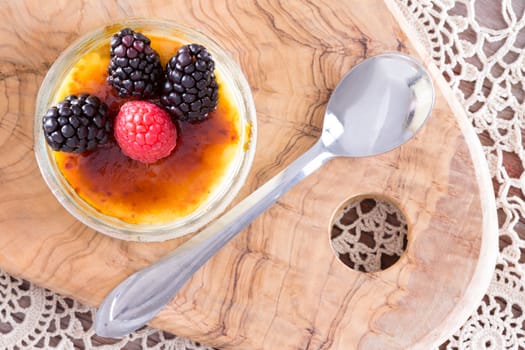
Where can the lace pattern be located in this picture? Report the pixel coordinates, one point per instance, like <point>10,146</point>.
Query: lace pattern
<point>369,234</point>
<point>32,317</point>
<point>479,47</point>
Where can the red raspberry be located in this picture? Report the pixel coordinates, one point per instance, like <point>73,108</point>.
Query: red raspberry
<point>144,131</point>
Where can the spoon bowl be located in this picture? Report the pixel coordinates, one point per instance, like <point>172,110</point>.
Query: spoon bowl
<point>376,107</point>
<point>379,105</point>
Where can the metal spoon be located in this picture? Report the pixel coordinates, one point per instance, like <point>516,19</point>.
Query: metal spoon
<point>377,106</point>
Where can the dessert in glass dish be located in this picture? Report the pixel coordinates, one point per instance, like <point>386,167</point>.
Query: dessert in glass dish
<point>145,130</point>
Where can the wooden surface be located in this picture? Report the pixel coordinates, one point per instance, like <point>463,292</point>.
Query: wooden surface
<point>277,285</point>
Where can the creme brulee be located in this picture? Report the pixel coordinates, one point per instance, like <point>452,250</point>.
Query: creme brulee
<point>156,193</point>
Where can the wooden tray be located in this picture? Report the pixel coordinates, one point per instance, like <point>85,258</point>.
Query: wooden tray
<point>278,285</point>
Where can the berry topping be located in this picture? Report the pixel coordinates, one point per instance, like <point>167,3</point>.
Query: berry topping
<point>190,90</point>
<point>134,69</point>
<point>144,131</point>
<point>77,124</point>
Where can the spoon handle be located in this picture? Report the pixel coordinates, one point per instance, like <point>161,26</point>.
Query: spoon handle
<point>142,295</point>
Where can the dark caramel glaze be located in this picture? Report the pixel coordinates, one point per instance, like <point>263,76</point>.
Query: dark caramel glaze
<point>172,187</point>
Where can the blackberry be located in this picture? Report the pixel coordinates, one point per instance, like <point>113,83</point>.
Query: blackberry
<point>134,69</point>
<point>77,124</point>
<point>190,89</point>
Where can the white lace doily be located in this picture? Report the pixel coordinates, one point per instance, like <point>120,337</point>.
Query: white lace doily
<point>479,47</point>
<point>369,234</point>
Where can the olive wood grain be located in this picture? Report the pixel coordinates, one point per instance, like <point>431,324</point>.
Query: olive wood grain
<point>278,285</point>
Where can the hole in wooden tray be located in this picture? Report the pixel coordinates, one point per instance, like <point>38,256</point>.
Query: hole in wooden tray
<point>369,233</point>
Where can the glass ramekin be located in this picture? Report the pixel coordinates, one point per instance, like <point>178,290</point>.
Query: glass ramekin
<point>224,193</point>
